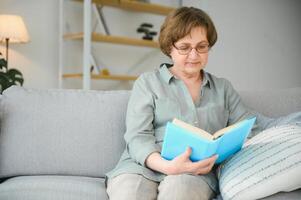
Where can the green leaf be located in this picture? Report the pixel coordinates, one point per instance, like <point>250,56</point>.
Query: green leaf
<point>15,76</point>
<point>9,77</point>
<point>4,82</point>
<point>3,64</point>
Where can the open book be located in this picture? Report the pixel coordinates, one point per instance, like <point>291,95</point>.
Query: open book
<point>179,135</point>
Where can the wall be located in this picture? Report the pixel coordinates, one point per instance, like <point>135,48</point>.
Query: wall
<point>38,59</point>
<point>258,45</point>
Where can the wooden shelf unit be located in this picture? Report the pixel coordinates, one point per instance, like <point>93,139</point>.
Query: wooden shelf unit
<point>131,5</point>
<point>137,6</point>
<point>98,37</point>
<point>101,76</point>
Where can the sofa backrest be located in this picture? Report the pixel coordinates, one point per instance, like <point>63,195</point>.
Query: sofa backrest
<point>273,103</point>
<point>63,132</point>
<point>76,132</point>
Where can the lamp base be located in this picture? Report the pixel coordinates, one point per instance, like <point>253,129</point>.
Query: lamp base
<point>7,42</point>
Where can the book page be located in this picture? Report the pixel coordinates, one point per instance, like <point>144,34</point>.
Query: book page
<point>193,129</point>
<point>224,130</point>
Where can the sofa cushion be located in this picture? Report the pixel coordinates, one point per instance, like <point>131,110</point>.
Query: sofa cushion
<point>53,187</point>
<point>63,132</point>
<point>269,163</point>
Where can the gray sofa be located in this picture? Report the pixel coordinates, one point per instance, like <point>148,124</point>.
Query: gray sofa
<point>58,144</point>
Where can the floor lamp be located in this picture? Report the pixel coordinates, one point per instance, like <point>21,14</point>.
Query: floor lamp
<point>12,30</point>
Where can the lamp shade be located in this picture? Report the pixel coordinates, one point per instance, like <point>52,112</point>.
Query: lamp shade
<point>12,27</point>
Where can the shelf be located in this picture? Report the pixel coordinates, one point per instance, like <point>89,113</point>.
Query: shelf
<point>98,37</point>
<point>131,5</point>
<point>100,76</point>
<point>137,6</point>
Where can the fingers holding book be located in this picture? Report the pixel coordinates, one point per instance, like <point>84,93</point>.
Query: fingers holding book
<point>182,164</point>
<point>204,166</point>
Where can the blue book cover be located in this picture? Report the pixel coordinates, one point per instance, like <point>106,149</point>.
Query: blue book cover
<point>179,135</point>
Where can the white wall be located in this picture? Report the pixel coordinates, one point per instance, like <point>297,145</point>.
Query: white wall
<point>259,42</point>
<point>258,45</point>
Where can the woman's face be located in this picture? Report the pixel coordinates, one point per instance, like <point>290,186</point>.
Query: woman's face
<point>191,62</point>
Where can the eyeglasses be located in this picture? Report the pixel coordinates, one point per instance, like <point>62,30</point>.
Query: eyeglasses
<point>186,49</point>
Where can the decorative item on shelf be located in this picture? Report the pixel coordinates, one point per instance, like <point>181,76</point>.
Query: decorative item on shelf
<point>12,30</point>
<point>105,72</point>
<point>145,28</point>
<point>94,69</point>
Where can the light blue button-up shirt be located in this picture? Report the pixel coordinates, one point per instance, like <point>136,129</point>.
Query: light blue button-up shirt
<point>158,97</point>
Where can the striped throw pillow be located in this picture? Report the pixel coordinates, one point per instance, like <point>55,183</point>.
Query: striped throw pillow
<point>269,163</point>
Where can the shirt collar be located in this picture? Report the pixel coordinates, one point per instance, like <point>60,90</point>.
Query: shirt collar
<point>167,75</point>
<point>206,79</point>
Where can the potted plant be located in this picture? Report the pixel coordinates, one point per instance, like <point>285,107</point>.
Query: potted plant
<point>9,77</point>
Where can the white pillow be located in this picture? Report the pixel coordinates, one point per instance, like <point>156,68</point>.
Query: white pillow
<point>269,163</point>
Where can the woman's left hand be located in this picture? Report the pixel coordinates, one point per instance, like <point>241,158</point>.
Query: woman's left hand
<point>182,164</point>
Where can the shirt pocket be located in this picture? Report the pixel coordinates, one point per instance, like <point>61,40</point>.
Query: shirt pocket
<point>165,110</point>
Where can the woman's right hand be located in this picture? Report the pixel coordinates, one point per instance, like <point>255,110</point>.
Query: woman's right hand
<point>182,164</point>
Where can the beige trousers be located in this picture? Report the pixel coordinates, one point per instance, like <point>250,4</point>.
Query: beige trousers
<point>174,187</point>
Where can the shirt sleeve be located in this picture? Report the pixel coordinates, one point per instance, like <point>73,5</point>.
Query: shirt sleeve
<point>239,111</point>
<point>139,136</point>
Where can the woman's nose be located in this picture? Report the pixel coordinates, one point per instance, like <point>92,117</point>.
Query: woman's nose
<point>193,53</point>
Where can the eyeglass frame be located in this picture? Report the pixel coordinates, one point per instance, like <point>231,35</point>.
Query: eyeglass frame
<point>190,49</point>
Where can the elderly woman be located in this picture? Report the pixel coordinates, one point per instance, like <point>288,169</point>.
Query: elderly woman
<point>183,90</point>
